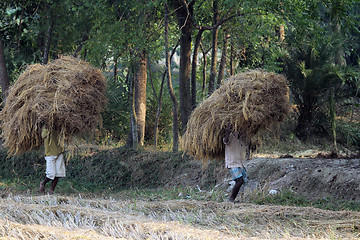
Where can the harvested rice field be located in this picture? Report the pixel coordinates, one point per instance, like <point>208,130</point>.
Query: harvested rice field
<point>170,197</point>
<point>65,217</point>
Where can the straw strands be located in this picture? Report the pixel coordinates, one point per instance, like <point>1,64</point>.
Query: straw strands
<point>67,94</point>
<point>251,102</point>
<point>64,217</point>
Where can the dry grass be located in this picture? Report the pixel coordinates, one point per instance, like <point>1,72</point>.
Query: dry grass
<point>57,217</point>
<point>13,230</point>
<point>67,94</point>
<point>251,102</point>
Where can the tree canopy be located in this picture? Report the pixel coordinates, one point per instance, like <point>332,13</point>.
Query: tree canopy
<point>313,42</point>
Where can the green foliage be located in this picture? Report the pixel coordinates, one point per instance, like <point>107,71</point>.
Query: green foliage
<point>130,174</point>
<point>106,31</point>
<point>100,171</point>
<point>254,38</point>
<point>290,198</point>
<point>285,198</point>
<point>165,121</point>
<point>349,133</point>
<point>17,44</point>
<point>123,168</point>
<point>116,116</point>
<point>24,167</point>
<point>336,204</point>
<point>24,26</point>
<point>311,66</point>
<point>122,29</point>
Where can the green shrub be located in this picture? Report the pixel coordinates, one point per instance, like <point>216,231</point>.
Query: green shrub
<point>348,133</point>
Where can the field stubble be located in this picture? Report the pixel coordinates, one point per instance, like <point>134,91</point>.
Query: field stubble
<point>65,217</point>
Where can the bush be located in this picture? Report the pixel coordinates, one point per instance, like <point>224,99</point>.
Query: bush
<point>348,133</point>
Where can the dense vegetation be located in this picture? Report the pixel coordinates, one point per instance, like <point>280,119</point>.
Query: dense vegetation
<point>314,43</point>
<point>161,58</point>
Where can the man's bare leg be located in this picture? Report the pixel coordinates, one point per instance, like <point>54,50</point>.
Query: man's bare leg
<point>53,185</point>
<point>42,185</point>
<point>238,183</point>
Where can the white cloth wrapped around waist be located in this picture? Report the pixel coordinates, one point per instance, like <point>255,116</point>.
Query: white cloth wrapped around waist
<point>55,166</point>
<point>236,151</point>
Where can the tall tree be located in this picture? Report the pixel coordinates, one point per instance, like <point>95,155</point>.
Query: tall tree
<point>204,56</point>
<point>194,66</point>
<point>184,12</point>
<point>214,49</point>
<point>222,65</point>
<point>232,57</point>
<point>337,11</point>
<point>49,35</point>
<point>159,104</point>
<point>133,138</point>
<point>4,78</point>
<point>140,80</point>
<point>218,20</point>
<point>171,91</point>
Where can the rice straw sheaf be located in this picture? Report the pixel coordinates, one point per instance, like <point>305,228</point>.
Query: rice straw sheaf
<point>67,94</point>
<point>251,102</point>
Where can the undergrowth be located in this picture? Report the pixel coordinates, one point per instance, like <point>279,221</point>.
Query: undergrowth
<point>144,175</point>
<point>290,198</point>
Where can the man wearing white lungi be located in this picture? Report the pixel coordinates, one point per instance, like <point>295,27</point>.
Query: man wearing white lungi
<point>55,166</point>
<point>236,155</point>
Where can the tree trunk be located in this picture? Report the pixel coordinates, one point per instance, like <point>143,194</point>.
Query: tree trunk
<point>130,83</point>
<point>183,13</point>
<point>339,54</point>
<point>332,108</point>
<point>353,104</point>
<point>81,45</point>
<point>140,79</point>
<point>4,78</point>
<point>132,140</point>
<point>158,111</point>
<point>305,121</point>
<point>134,132</point>
<point>223,59</point>
<point>48,39</point>
<point>232,70</point>
<point>194,66</point>
<point>159,104</point>
<point>159,100</point>
<point>20,27</point>
<point>115,68</point>
<point>204,69</point>
<point>171,91</point>
<point>339,60</point>
<point>214,49</point>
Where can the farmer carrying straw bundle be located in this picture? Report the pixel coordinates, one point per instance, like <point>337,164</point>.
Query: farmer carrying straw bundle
<point>50,105</point>
<point>223,125</point>
<point>55,165</point>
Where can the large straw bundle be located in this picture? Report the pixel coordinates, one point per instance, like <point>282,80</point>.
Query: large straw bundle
<point>67,94</point>
<point>250,102</point>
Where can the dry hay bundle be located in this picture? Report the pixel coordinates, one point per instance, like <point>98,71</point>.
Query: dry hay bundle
<point>251,102</point>
<point>67,94</point>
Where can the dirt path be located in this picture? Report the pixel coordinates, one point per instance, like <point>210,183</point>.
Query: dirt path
<point>62,217</point>
<point>312,177</point>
